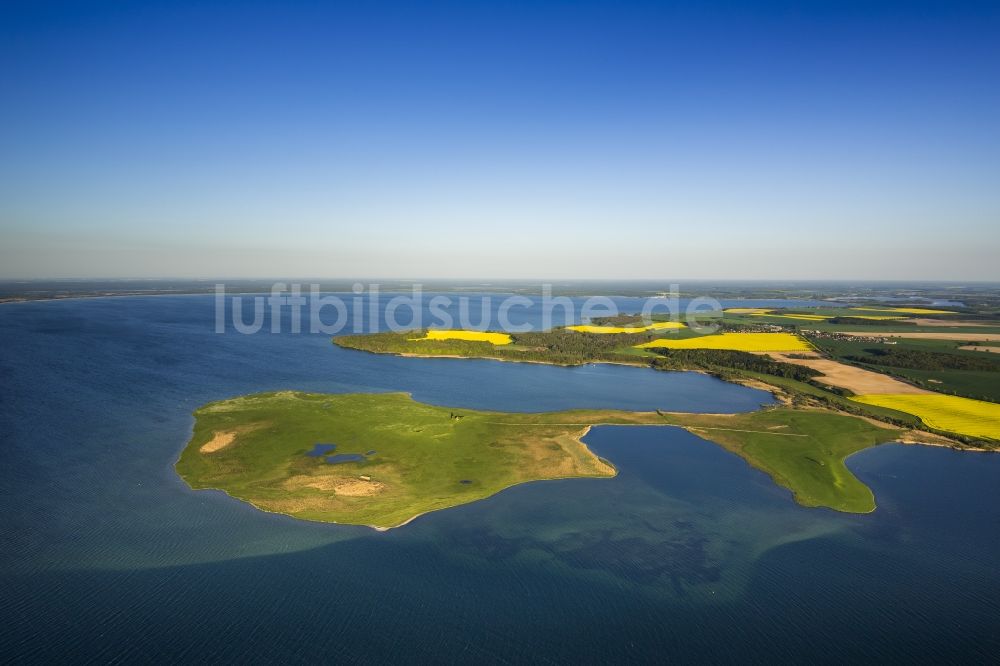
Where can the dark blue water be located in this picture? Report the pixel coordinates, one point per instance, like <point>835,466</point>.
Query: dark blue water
<point>320,450</point>
<point>106,555</point>
<point>344,458</point>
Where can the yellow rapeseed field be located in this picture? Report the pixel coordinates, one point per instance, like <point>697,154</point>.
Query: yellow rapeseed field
<point>476,336</point>
<point>912,311</point>
<point>656,326</point>
<point>806,317</point>
<point>747,311</point>
<point>749,342</point>
<point>762,312</point>
<point>974,418</point>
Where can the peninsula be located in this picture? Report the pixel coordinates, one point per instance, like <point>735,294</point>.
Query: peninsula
<point>383,459</point>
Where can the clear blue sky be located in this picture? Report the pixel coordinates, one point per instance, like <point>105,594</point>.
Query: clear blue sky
<point>854,140</point>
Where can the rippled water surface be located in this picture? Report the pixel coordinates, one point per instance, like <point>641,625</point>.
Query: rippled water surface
<point>107,555</point>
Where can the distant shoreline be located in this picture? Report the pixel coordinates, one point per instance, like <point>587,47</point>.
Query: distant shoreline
<point>13,290</point>
<point>7,300</point>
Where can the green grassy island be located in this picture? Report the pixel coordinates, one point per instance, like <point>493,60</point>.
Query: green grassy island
<point>395,458</point>
<point>383,459</point>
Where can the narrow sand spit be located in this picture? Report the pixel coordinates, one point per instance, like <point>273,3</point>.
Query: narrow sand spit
<point>971,337</point>
<point>857,380</point>
<point>219,441</point>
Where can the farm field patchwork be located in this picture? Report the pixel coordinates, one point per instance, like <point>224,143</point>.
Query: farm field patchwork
<point>936,365</point>
<point>850,377</point>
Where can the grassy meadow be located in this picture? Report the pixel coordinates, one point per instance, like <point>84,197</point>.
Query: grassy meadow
<point>802,450</point>
<point>424,458</point>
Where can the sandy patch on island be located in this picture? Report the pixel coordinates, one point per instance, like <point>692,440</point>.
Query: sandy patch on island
<point>219,441</point>
<point>223,438</point>
<point>358,488</point>
<point>339,485</point>
<point>856,380</point>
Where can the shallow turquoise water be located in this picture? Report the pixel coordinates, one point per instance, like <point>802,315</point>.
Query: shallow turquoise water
<point>106,555</point>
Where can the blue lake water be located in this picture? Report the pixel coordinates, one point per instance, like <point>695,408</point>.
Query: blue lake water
<point>344,458</point>
<point>320,450</point>
<point>106,555</point>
